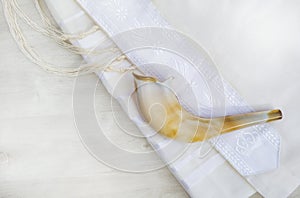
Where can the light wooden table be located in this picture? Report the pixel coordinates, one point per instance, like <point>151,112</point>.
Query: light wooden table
<point>41,154</point>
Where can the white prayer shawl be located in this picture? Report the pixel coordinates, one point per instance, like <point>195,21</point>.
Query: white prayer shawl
<point>212,173</point>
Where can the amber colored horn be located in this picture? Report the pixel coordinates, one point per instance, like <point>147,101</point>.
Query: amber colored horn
<point>234,122</point>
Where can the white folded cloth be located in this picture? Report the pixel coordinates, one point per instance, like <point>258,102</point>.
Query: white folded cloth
<point>210,171</point>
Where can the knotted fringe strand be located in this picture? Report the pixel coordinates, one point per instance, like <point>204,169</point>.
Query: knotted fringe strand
<point>12,11</point>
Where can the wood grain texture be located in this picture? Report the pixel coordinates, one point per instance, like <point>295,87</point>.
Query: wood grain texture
<point>41,154</point>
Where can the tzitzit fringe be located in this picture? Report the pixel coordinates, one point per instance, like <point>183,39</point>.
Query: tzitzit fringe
<point>51,31</point>
<point>12,11</point>
<point>41,8</point>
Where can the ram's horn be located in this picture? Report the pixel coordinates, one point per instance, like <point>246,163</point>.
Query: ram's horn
<point>159,107</point>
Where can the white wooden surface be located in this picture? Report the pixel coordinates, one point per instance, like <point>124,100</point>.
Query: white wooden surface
<point>41,154</point>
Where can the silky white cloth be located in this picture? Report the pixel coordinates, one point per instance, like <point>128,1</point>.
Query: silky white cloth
<point>256,46</point>
<point>251,150</point>
<point>214,167</point>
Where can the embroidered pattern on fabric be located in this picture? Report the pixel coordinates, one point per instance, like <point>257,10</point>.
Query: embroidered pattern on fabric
<point>245,140</point>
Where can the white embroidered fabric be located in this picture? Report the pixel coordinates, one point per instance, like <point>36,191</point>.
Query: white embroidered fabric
<point>250,151</point>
